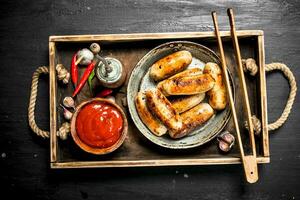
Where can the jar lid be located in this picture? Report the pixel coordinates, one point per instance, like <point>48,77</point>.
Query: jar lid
<point>112,76</point>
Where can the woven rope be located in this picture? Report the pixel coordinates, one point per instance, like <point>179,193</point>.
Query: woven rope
<point>250,66</point>
<point>256,125</point>
<point>62,75</point>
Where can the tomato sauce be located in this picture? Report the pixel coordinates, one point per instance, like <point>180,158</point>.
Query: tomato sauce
<point>99,124</point>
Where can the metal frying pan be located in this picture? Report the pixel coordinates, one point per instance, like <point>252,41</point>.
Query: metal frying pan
<point>139,80</point>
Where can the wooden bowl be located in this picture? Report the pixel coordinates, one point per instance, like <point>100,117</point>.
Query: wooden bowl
<point>94,150</point>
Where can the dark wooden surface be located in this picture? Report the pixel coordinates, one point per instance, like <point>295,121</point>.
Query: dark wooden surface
<point>24,161</point>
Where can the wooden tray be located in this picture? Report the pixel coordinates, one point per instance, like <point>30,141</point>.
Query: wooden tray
<point>137,150</point>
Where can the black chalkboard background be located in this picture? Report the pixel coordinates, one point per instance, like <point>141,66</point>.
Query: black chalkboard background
<point>25,27</point>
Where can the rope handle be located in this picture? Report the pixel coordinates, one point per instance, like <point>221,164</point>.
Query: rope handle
<point>64,76</point>
<point>251,67</point>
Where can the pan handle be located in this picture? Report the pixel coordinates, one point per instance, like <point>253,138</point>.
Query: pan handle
<point>250,66</point>
<point>64,76</point>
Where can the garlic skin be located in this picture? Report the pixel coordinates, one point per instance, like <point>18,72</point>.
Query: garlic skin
<point>67,114</point>
<point>69,102</point>
<point>223,146</point>
<point>87,55</point>
<point>111,98</point>
<point>226,141</point>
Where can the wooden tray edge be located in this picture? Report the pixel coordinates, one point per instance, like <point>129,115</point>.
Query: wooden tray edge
<point>149,36</point>
<point>153,163</point>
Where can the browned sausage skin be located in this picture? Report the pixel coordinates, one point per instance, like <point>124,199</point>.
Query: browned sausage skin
<point>185,73</point>
<point>193,118</point>
<point>155,126</point>
<point>170,65</point>
<point>187,85</point>
<point>197,115</point>
<point>184,103</point>
<point>163,110</point>
<point>217,95</point>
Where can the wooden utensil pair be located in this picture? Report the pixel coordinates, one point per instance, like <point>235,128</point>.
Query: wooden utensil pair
<point>249,161</point>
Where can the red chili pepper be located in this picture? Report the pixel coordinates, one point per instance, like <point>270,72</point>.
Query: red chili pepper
<point>74,70</point>
<point>84,78</point>
<point>104,93</point>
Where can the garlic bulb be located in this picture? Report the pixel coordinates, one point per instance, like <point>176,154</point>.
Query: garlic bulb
<point>226,141</point>
<point>86,56</point>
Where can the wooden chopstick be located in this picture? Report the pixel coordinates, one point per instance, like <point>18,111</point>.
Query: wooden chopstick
<point>242,78</point>
<point>249,162</point>
<point>244,89</point>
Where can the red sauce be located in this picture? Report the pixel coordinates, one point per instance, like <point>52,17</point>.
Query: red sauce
<point>99,124</point>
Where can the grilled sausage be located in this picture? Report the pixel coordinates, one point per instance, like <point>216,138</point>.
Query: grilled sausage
<point>155,126</point>
<point>196,116</point>
<point>217,95</point>
<point>163,110</point>
<point>193,118</point>
<point>184,103</point>
<point>170,65</point>
<point>185,73</point>
<point>188,85</point>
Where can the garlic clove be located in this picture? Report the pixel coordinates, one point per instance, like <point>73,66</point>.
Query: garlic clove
<point>226,141</point>
<point>223,146</point>
<point>227,137</point>
<point>69,102</point>
<point>67,114</point>
<point>111,98</point>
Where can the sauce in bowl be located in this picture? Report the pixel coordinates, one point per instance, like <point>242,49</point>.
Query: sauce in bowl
<point>99,124</point>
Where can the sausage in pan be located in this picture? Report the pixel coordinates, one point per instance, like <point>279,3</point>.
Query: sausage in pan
<point>217,95</point>
<point>184,103</point>
<point>185,73</point>
<point>197,116</point>
<point>170,65</point>
<point>163,110</point>
<point>155,126</point>
<point>188,85</point>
